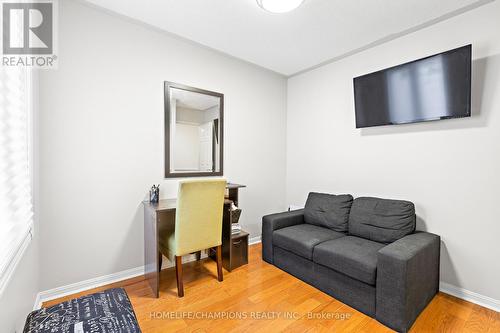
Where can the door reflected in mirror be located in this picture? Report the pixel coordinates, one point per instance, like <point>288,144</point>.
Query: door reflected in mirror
<point>194,132</point>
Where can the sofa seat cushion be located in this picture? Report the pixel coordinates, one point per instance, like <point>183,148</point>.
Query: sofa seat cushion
<point>328,210</point>
<point>302,238</point>
<point>353,256</point>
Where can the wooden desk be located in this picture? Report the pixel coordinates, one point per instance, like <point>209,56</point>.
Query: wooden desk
<point>159,219</point>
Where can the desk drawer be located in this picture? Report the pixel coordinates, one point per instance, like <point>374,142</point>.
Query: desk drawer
<point>239,249</point>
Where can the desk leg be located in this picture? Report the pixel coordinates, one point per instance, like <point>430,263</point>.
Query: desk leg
<point>151,269</point>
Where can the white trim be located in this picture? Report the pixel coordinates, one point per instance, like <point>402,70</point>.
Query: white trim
<point>19,253</point>
<point>77,287</point>
<point>185,259</point>
<point>254,240</point>
<point>23,230</point>
<point>444,287</point>
<point>470,296</point>
<point>175,36</point>
<point>192,257</point>
<point>190,123</point>
<point>38,302</point>
<point>395,36</point>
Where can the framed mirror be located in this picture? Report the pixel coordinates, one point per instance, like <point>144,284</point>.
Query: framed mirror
<point>194,132</point>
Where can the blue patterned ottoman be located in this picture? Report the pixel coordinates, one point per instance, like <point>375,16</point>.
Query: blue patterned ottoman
<point>109,311</point>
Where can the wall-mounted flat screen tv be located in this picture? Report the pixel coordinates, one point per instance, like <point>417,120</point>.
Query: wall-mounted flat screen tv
<point>432,88</point>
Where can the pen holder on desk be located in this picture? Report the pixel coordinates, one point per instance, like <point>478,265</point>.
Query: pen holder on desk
<point>154,194</point>
<point>235,215</point>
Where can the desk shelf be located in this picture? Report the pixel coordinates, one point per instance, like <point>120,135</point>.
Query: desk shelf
<point>234,247</point>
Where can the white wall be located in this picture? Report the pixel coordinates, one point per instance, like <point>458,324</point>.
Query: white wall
<point>102,138</point>
<point>190,115</point>
<point>450,169</point>
<point>187,147</point>
<point>211,114</point>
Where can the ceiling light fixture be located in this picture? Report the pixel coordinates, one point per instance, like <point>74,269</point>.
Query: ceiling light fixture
<point>279,6</point>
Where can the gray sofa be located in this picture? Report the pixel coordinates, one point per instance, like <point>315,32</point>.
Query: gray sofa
<point>364,252</point>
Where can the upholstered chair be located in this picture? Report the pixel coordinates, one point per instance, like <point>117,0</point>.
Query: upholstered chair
<point>198,224</point>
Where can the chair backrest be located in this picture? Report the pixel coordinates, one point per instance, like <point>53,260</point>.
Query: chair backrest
<point>198,220</point>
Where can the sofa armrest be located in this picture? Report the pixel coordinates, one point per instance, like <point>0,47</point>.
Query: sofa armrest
<point>407,279</point>
<point>273,222</point>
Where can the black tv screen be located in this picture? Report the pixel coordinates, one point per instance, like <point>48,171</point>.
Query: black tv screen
<point>432,88</point>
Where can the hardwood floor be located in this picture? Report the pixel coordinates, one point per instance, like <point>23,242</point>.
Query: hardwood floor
<point>267,299</point>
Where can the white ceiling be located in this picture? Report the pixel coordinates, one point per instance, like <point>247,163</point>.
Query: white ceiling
<point>192,100</point>
<point>316,32</point>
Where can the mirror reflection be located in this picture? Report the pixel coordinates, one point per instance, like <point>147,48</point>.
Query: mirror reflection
<point>194,131</point>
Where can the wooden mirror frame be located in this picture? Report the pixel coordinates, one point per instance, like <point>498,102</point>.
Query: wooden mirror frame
<point>167,86</point>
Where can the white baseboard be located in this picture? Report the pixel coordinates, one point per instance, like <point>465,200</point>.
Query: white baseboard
<point>38,303</point>
<point>168,264</point>
<point>73,288</point>
<point>254,240</point>
<point>470,296</point>
<point>185,259</point>
<point>77,287</point>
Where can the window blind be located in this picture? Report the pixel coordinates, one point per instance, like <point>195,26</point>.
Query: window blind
<point>16,212</point>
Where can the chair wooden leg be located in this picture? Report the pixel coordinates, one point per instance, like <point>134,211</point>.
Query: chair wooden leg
<point>198,255</point>
<point>160,261</point>
<point>178,273</point>
<point>219,263</point>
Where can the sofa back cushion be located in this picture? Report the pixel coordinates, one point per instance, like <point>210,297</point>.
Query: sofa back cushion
<point>328,210</point>
<point>381,220</point>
